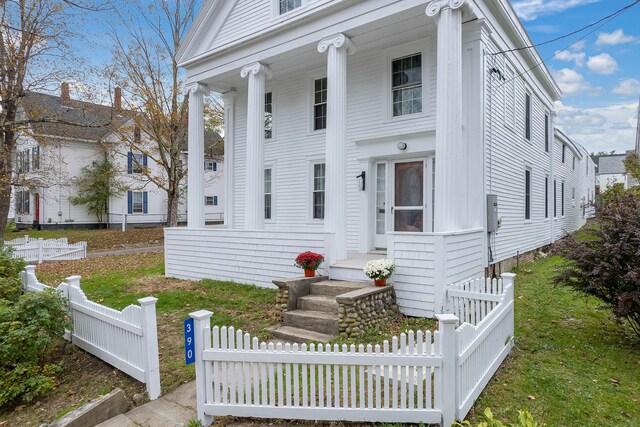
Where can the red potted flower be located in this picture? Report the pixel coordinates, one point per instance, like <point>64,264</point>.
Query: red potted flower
<point>309,261</point>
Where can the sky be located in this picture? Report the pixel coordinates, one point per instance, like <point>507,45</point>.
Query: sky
<point>599,73</point>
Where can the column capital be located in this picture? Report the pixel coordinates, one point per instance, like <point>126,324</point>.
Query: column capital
<point>193,88</point>
<point>434,8</point>
<point>338,41</point>
<point>256,68</point>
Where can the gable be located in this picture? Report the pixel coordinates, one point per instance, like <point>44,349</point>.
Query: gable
<point>246,17</point>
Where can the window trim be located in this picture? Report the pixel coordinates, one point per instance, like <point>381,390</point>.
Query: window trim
<point>415,85</point>
<point>312,163</point>
<point>133,202</point>
<point>312,76</point>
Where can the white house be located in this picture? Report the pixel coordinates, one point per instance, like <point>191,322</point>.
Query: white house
<point>406,129</point>
<point>50,155</point>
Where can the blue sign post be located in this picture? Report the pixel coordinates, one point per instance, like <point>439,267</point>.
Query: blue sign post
<point>189,344</point>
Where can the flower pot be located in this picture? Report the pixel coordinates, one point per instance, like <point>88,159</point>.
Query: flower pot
<point>309,272</point>
<point>380,282</point>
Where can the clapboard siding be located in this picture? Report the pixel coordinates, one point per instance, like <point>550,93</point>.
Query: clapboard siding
<point>245,256</point>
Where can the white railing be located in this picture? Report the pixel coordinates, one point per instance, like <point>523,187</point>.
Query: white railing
<point>126,339</point>
<point>39,250</point>
<point>419,378</point>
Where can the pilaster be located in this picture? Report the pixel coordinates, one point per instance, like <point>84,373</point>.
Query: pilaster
<point>229,102</point>
<point>195,177</point>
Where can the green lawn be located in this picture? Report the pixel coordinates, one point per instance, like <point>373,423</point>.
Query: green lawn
<point>573,364</point>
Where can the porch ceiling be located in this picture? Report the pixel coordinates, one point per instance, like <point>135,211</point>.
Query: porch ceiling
<point>393,30</point>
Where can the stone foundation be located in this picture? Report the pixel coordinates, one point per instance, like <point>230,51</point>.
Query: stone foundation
<point>365,309</point>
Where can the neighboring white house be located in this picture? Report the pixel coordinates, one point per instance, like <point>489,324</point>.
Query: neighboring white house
<point>364,129</point>
<point>52,154</point>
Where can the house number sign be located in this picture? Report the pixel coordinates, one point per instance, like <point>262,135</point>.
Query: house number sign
<point>189,345</point>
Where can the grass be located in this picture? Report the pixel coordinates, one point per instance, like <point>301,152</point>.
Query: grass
<point>573,363</point>
<point>100,240</point>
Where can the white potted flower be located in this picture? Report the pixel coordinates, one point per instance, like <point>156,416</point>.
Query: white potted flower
<point>379,270</point>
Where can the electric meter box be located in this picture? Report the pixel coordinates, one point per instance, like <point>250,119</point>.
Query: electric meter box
<point>492,213</point>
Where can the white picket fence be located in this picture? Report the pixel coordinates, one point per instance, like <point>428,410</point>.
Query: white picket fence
<point>39,250</point>
<point>419,378</point>
<point>127,339</point>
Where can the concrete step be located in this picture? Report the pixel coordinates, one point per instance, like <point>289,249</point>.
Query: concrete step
<point>318,303</point>
<point>326,323</point>
<point>289,333</point>
<point>331,288</point>
<point>338,272</point>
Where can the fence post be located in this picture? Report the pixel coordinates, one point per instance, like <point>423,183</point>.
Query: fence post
<point>150,339</point>
<point>201,319</point>
<point>40,242</point>
<point>507,279</point>
<point>124,222</point>
<point>30,271</point>
<point>448,347</point>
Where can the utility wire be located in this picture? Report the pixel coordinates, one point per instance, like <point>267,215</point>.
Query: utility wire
<point>602,24</point>
<point>613,15</point>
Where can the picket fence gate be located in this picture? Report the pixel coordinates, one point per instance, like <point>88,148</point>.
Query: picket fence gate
<point>39,250</point>
<point>421,377</point>
<point>127,339</point>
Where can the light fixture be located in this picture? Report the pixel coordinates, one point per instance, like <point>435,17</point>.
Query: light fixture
<point>402,146</point>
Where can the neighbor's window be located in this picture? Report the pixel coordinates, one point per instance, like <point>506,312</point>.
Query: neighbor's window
<point>320,104</point>
<point>136,162</point>
<point>35,157</point>
<point>210,165</point>
<point>22,203</point>
<point>208,201</point>
<point>546,133</point>
<point>267,194</point>
<point>137,202</point>
<point>406,81</point>
<point>318,190</point>
<point>527,117</point>
<point>527,193</point>
<point>289,5</point>
<point>268,115</point>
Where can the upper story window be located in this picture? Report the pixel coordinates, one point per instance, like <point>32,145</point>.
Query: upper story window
<point>268,115</point>
<point>35,157</point>
<point>564,152</point>
<point>406,82</point>
<point>136,162</point>
<point>573,160</point>
<point>527,117</point>
<point>210,165</point>
<point>546,132</point>
<point>289,5</point>
<point>23,161</point>
<point>320,104</point>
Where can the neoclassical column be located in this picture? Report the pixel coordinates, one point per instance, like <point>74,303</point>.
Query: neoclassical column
<point>195,177</point>
<point>335,210</point>
<point>229,102</point>
<point>449,212</point>
<point>257,73</point>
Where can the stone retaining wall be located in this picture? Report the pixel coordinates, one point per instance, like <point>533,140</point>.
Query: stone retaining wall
<point>365,308</point>
<point>289,290</point>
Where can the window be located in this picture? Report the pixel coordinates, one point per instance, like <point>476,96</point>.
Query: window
<point>210,165</point>
<point>527,193</point>
<point>573,159</point>
<point>573,193</point>
<point>136,162</point>
<point>267,194</point>
<point>289,5</point>
<point>406,82</point>
<point>510,94</point>
<point>23,161</point>
<point>527,117</point>
<point>564,149</point>
<point>546,132</point>
<point>546,197</point>
<point>35,157</point>
<point>137,202</point>
<point>209,201</point>
<point>268,115</point>
<point>22,203</point>
<point>320,104</point>
<point>318,190</point>
<point>562,198</point>
<point>555,199</point>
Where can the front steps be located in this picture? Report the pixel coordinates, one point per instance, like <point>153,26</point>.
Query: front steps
<point>315,317</point>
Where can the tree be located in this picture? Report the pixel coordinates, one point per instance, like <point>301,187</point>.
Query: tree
<point>632,166</point>
<point>35,51</point>
<point>97,183</point>
<point>144,66</point>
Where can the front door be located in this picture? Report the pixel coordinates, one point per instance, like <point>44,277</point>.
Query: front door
<point>36,203</point>
<point>409,196</point>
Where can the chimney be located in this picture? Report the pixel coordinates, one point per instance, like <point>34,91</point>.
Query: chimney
<point>117,99</point>
<point>64,93</point>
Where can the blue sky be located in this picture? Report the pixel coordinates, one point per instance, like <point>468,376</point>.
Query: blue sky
<point>600,75</point>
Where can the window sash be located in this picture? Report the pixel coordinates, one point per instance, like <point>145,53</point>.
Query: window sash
<point>208,201</point>
<point>562,198</point>
<point>406,85</point>
<point>267,194</point>
<point>137,204</point>
<point>527,118</point>
<point>320,104</point>
<point>318,197</point>
<point>546,133</point>
<point>137,160</point>
<point>289,5</point>
<point>527,194</point>
<point>546,197</point>
<point>268,115</point>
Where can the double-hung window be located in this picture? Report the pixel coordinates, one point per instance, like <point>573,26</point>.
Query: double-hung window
<point>562,197</point>
<point>320,104</point>
<point>527,194</point>
<point>210,165</point>
<point>555,199</point>
<point>406,85</point>
<point>137,202</point>
<point>527,117</point>
<point>209,201</point>
<point>546,132</point>
<point>268,115</point>
<point>564,152</point>
<point>35,157</point>
<point>546,196</point>
<point>22,203</point>
<point>289,5</point>
<point>573,159</point>
<point>268,194</point>
<point>318,190</point>
<point>136,162</point>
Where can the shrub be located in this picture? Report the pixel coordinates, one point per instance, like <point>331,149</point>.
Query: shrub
<point>525,419</point>
<point>603,262</point>
<point>30,324</point>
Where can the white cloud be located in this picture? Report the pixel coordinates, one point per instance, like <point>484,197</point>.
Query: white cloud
<point>572,83</point>
<point>528,10</point>
<point>602,64</point>
<point>614,38</point>
<point>579,45</point>
<point>628,87</point>
<point>600,129</point>
<point>567,55</point>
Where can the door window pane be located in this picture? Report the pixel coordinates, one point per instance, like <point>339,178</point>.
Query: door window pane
<point>381,195</point>
<point>409,184</point>
<point>409,220</point>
